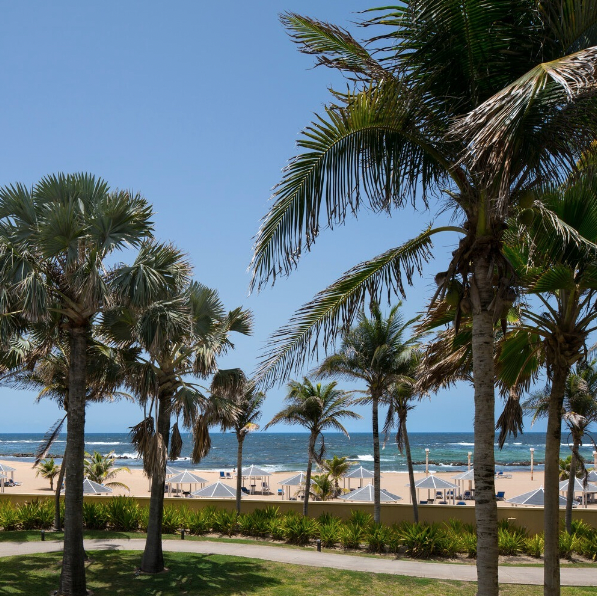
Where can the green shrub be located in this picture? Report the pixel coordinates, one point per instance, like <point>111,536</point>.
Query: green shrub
<point>329,532</point>
<point>468,544</point>
<point>587,547</point>
<point>199,522</point>
<point>459,527</point>
<point>567,542</point>
<point>351,535</point>
<point>172,520</point>
<point>422,541</point>
<point>582,529</point>
<point>258,522</point>
<point>299,529</point>
<point>377,537</point>
<point>123,514</point>
<point>360,518</point>
<point>9,517</point>
<point>95,516</point>
<point>394,539</point>
<point>533,546</point>
<point>224,522</point>
<point>36,515</point>
<point>510,543</point>
<point>277,528</point>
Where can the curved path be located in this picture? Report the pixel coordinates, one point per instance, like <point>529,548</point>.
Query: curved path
<point>507,575</point>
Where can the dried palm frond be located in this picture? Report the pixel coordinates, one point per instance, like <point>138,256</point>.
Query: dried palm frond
<point>175,443</point>
<point>155,457</point>
<point>48,440</point>
<point>201,439</point>
<point>141,435</point>
<point>510,420</point>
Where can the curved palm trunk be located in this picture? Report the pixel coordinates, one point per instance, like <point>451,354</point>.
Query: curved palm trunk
<point>483,373</point>
<point>239,467</point>
<point>153,555</point>
<point>551,509</point>
<point>312,440</point>
<point>376,460</point>
<point>72,578</point>
<point>570,492</point>
<point>57,521</point>
<point>411,474</point>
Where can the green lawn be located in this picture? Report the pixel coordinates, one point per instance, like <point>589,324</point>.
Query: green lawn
<point>214,575</point>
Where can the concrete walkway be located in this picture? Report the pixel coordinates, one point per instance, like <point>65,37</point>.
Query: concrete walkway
<point>507,575</point>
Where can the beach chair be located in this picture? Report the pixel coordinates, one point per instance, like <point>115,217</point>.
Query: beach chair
<point>222,474</point>
<point>501,495</point>
<point>467,495</point>
<point>228,475</point>
<point>443,503</point>
<point>430,501</point>
<point>422,502</point>
<point>461,503</point>
<point>280,492</point>
<point>245,490</point>
<point>439,494</point>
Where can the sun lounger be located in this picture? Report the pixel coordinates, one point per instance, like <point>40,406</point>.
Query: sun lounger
<point>228,475</point>
<point>422,502</point>
<point>500,496</point>
<point>280,492</point>
<point>461,503</point>
<point>245,490</point>
<point>222,474</point>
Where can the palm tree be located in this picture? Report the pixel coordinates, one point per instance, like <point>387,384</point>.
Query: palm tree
<point>241,414</point>
<point>100,468</point>
<point>376,352</point>
<point>580,410</point>
<point>316,407</point>
<point>476,101</point>
<point>322,487</point>
<point>180,335</point>
<point>48,469</point>
<point>337,467</point>
<point>54,242</point>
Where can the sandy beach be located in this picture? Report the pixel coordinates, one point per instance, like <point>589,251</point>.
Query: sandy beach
<point>519,483</point>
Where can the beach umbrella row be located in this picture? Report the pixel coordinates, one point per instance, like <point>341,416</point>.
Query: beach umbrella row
<point>366,494</point>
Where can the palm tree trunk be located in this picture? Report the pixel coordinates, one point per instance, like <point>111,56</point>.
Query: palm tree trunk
<point>376,459</point>
<point>153,555</point>
<point>551,509</point>
<point>57,521</point>
<point>483,374</point>
<point>312,440</point>
<point>239,468</point>
<point>411,474</point>
<point>72,578</point>
<point>570,493</point>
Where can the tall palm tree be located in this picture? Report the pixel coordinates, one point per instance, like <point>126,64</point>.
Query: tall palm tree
<point>182,334</point>
<point>478,101</point>
<point>374,351</point>
<point>54,242</point>
<point>241,415</point>
<point>337,467</point>
<point>316,407</point>
<point>48,469</point>
<point>580,410</point>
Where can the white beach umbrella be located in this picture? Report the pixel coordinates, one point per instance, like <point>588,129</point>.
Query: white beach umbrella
<point>217,490</point>
<point>578,486</point>
<point>185,477</point>
<point>593,476</point>
<point>468,475</point>
<point>171,471</point>
<point>93,488</point>
<point>4,468</point>
<point>366,494</point>
<point>296,480</point>
<point>360,473</point>
<point>535,497</point>
<point>253,473</point>
<point>434,483</point>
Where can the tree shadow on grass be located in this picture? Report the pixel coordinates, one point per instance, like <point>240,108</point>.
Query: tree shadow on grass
<point>114,573</point>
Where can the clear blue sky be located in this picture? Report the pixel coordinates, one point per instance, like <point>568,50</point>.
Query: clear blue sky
<point>197,106</point>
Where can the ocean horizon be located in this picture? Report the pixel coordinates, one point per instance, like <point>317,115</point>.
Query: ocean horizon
<point>278,452</point>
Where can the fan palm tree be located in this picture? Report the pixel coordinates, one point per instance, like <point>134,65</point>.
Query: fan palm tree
<point>48,469</point>
<point>100,468</point>
<point>180,335</point>
<point>400,398</point>
<point>316,407</point>
<point>478,101</point>
<point>337,467</point>
<point>54,242</point>
<point>241,415</point>
<point>373,351</point>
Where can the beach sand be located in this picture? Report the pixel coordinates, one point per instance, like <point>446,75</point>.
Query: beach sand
<point>394,482</point>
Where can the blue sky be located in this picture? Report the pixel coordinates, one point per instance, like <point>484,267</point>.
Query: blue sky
<point>197,106</point>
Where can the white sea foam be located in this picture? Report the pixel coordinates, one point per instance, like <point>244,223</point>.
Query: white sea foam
<point>463,443</point>
<point>105,443</point>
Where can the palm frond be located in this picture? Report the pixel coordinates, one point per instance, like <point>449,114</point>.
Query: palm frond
<point>175,443</point>
<point>48,440</point>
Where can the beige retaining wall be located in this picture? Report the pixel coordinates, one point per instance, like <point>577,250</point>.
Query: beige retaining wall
<point>529,517</point>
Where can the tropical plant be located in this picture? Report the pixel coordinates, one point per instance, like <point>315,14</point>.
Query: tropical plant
<point>181,334</point>
<point>48,469</point>
<point>123,513</point>
<point>100,468</point>
<point>54,241</point>
<point>375,352</point>
<point>322,487</point>
<point>316,407</point>
<point>240,409</point>
<point>337,467</point>
<point>477,101</point>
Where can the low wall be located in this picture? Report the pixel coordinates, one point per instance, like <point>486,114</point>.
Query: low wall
<point>529,517</point>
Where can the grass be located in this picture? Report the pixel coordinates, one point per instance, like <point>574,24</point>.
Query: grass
<point>215,575</point>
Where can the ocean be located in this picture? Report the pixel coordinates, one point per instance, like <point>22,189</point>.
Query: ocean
<point>288,451</point>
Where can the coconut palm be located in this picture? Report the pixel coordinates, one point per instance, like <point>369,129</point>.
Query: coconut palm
<point>48,469</point>
<point>54,242</point>
<point>322,487</point>
<point>241,415</point>
<point>375,352</point>
<point>316,407</point>
<point>100,468</point>
<point>180,335</point>
<point>337,467</point>
<point>477,101</point>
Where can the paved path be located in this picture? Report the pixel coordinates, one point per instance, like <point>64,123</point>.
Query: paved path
<point>507,575</point>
